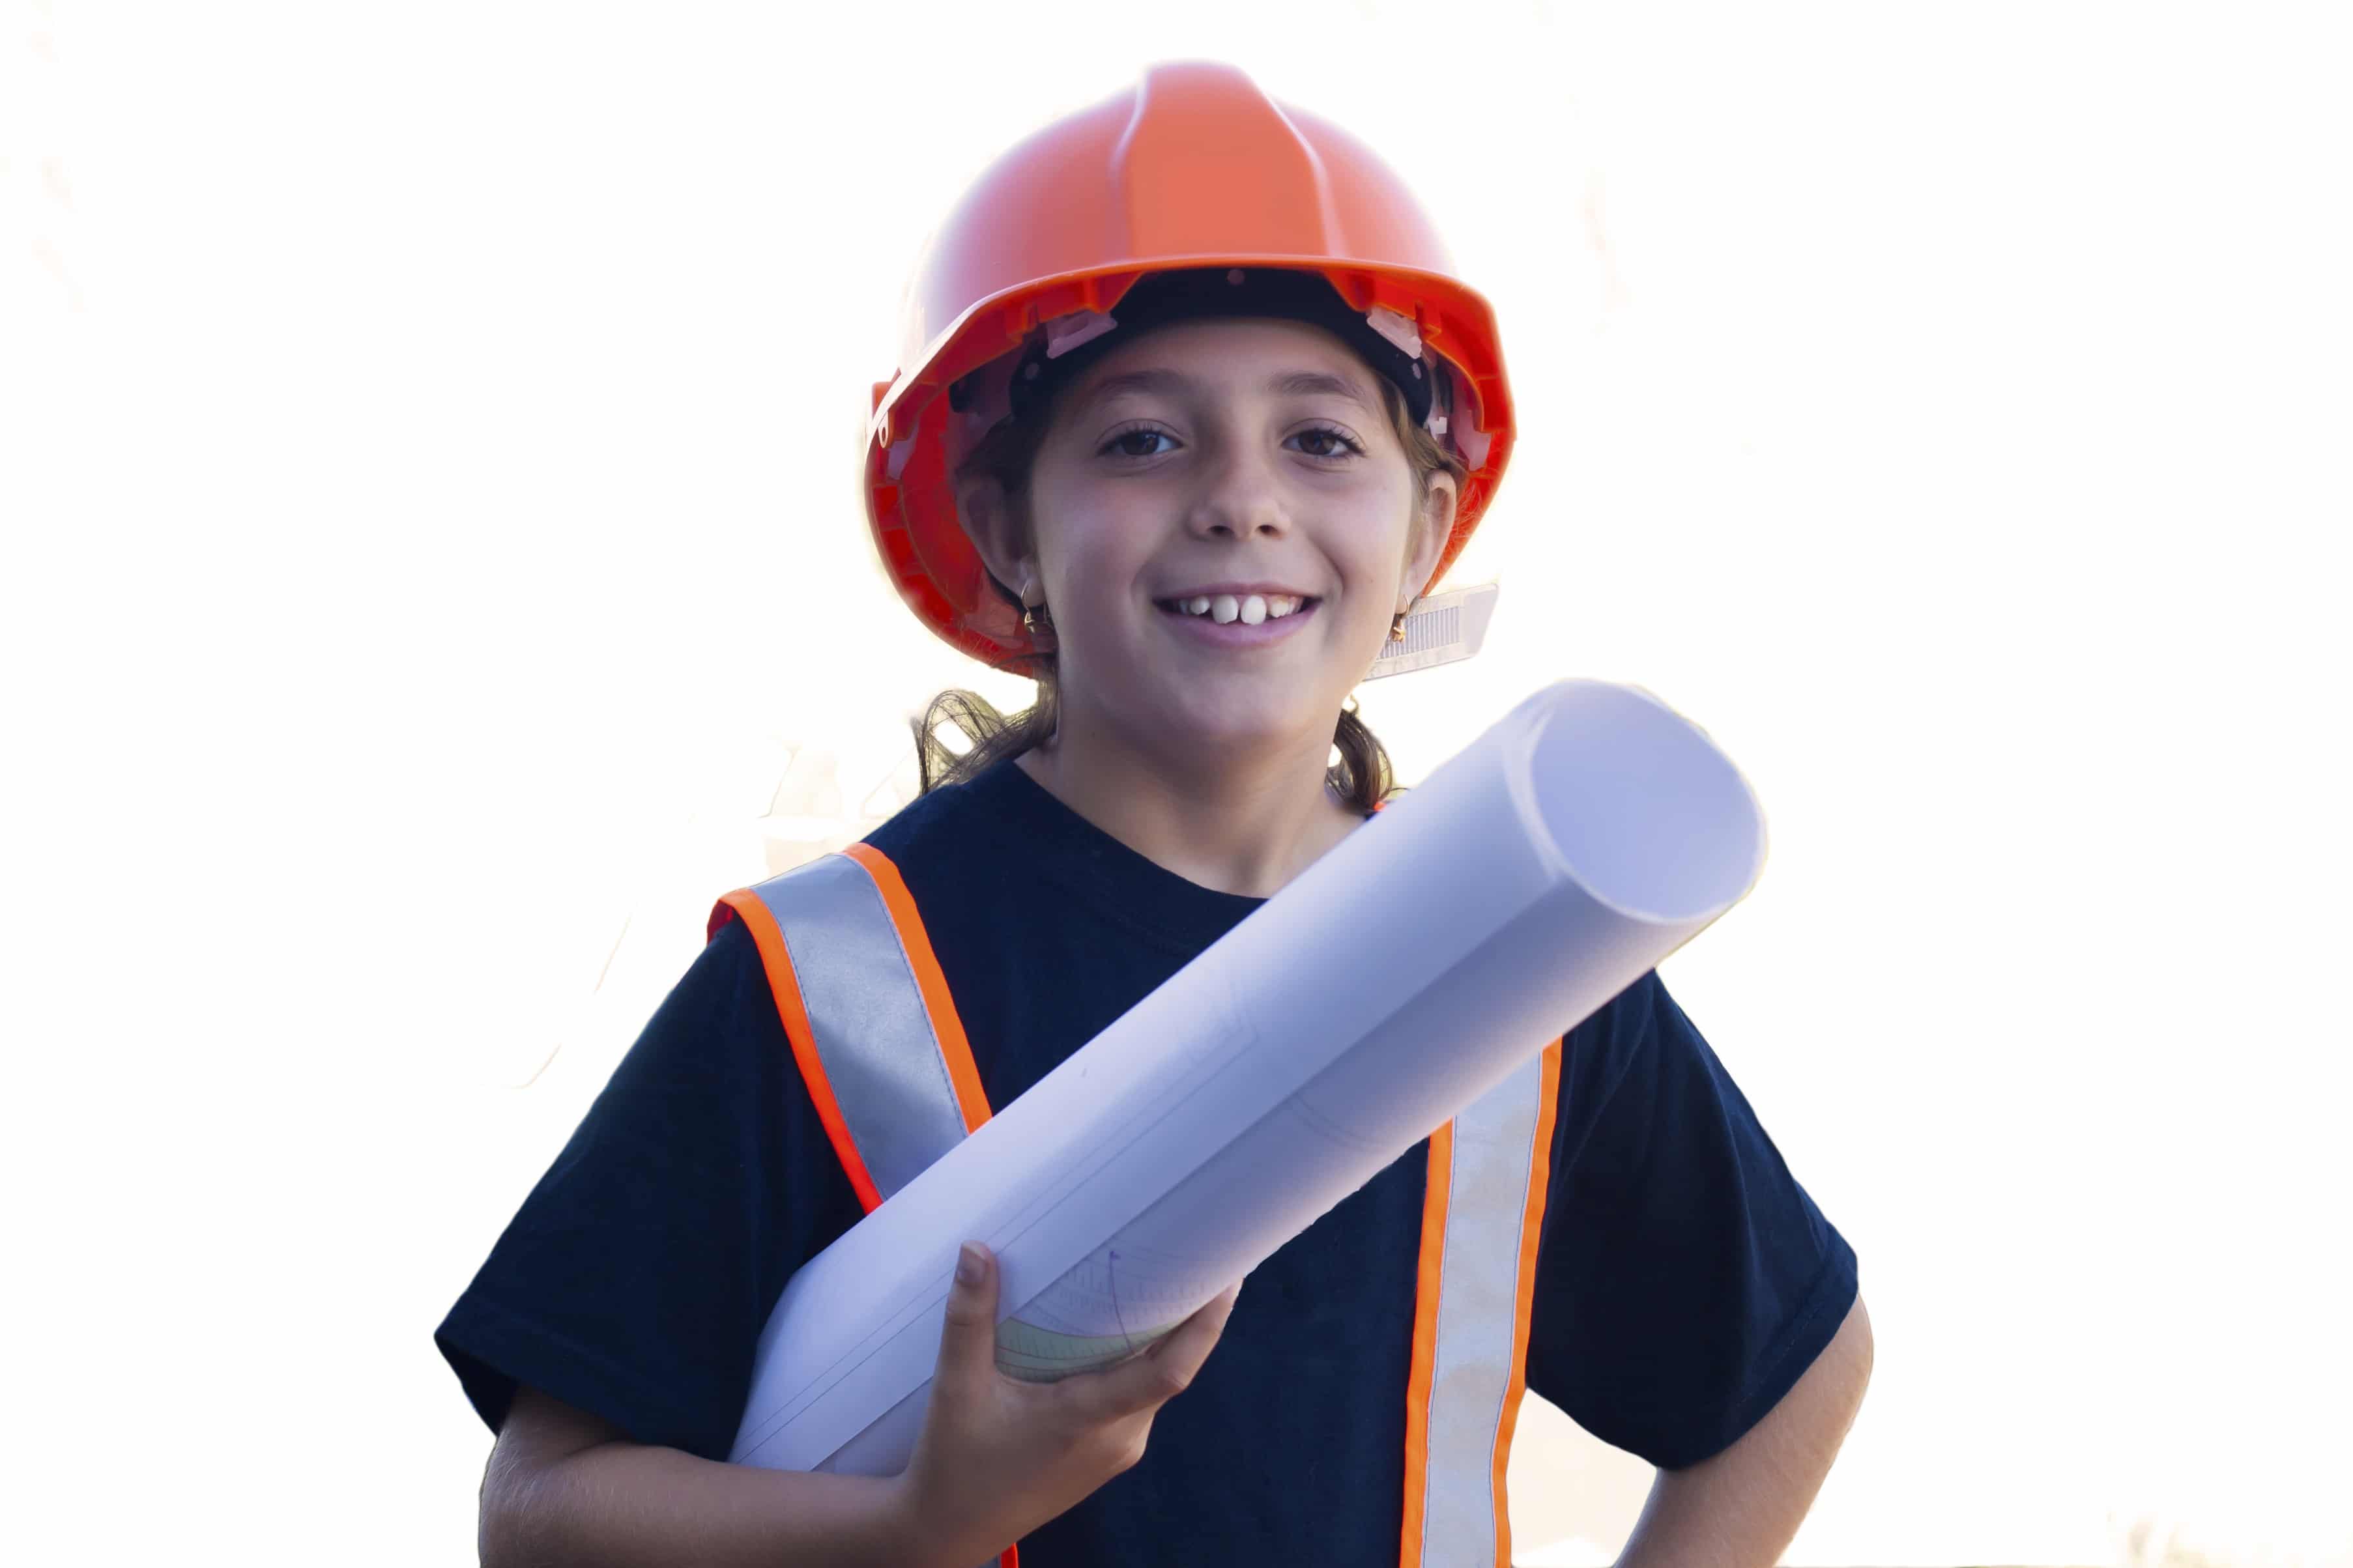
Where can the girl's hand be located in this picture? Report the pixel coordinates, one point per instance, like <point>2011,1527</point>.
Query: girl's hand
<point>998,1456</point>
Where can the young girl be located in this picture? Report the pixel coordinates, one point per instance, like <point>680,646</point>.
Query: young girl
<point>1189,414</point>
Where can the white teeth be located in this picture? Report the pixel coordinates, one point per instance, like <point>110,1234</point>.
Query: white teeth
<point>1250,609</point>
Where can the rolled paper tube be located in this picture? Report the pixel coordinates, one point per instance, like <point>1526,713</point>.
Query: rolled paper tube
<point>1536,874</point>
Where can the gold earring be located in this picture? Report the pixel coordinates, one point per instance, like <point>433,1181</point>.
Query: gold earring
<point>1036,619</point>
<point>1396,627</point>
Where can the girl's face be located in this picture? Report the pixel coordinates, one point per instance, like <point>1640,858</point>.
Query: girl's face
<point>1247,466</point>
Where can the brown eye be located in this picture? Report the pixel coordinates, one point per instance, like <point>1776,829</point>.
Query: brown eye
<point>1135,443</point>
<point>1324,442</point>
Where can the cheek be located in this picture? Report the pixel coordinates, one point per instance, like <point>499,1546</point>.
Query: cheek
<point>1090,551</point>
<point>1372,555</point>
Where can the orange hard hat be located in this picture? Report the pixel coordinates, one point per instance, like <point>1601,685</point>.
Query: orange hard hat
<point>1194,168</point>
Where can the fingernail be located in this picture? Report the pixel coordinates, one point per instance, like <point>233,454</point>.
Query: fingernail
<point>969,1266</point>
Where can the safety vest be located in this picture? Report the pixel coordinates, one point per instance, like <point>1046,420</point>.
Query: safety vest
<point>885,1060</point>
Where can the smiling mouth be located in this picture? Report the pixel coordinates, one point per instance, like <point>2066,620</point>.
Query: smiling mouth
<point>1250,609</point>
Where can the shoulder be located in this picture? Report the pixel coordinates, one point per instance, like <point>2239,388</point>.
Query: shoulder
<point>726,973</point>
<point>961,848</point>
<point>1610,1044</point>
<point>709,1044</point>
<point>949,823</point>
<point>1634,1075</point>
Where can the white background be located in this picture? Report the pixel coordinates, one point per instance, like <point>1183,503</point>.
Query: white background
<point>427,464</point>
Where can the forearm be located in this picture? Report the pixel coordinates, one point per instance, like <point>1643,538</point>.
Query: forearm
<point>622,1504</point>
<point>1741,1508</point>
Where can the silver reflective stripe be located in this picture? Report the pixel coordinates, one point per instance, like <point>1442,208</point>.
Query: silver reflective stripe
<point>874,1035</point>
<point>866,1010</point>
<point>1478,1302</point>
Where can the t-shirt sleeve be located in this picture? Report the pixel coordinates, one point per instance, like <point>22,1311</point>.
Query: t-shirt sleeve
<point>1684,1281</point>
<point>634,1281</point>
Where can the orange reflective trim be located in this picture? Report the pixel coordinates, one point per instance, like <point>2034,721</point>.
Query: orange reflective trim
<point>954,1049</point>
<point>1435,1190</point>
<point>947,1028</point>
<point>1523,1314</point>
<point>794,1013</point>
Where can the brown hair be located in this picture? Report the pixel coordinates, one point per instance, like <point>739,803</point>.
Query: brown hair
<point>1361,775</point>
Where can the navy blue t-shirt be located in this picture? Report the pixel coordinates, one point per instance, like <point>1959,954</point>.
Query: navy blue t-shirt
<point>1684,1280</point>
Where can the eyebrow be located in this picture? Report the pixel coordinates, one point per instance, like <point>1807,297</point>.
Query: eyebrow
<point>1169,382</point>
<point>1312,383</point>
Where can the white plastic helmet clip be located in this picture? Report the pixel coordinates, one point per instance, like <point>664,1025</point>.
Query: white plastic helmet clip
<point>1064,334</point>
<point>1399,329</point>
<point>1460,422</point>
<point>1445,628</point>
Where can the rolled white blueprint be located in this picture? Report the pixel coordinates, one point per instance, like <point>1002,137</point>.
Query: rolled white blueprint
<point>1536,874</point>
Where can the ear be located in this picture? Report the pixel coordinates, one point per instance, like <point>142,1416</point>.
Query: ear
<point>1001,536</point>
<point>1433,524</point>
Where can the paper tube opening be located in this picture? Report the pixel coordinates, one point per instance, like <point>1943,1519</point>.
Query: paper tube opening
<point>1652,819</point>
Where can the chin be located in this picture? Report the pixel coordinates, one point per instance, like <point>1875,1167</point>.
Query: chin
<point>1243,722</point>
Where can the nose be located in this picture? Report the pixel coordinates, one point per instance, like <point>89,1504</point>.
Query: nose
<point>1240,499</point>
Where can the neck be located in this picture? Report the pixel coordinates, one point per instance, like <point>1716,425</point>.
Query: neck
<point>1242,824</point>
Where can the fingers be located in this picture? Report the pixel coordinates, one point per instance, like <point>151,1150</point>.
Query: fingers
<point>968,1339</point>
<point>1197,1335</point>
<point>1168,1369</point>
